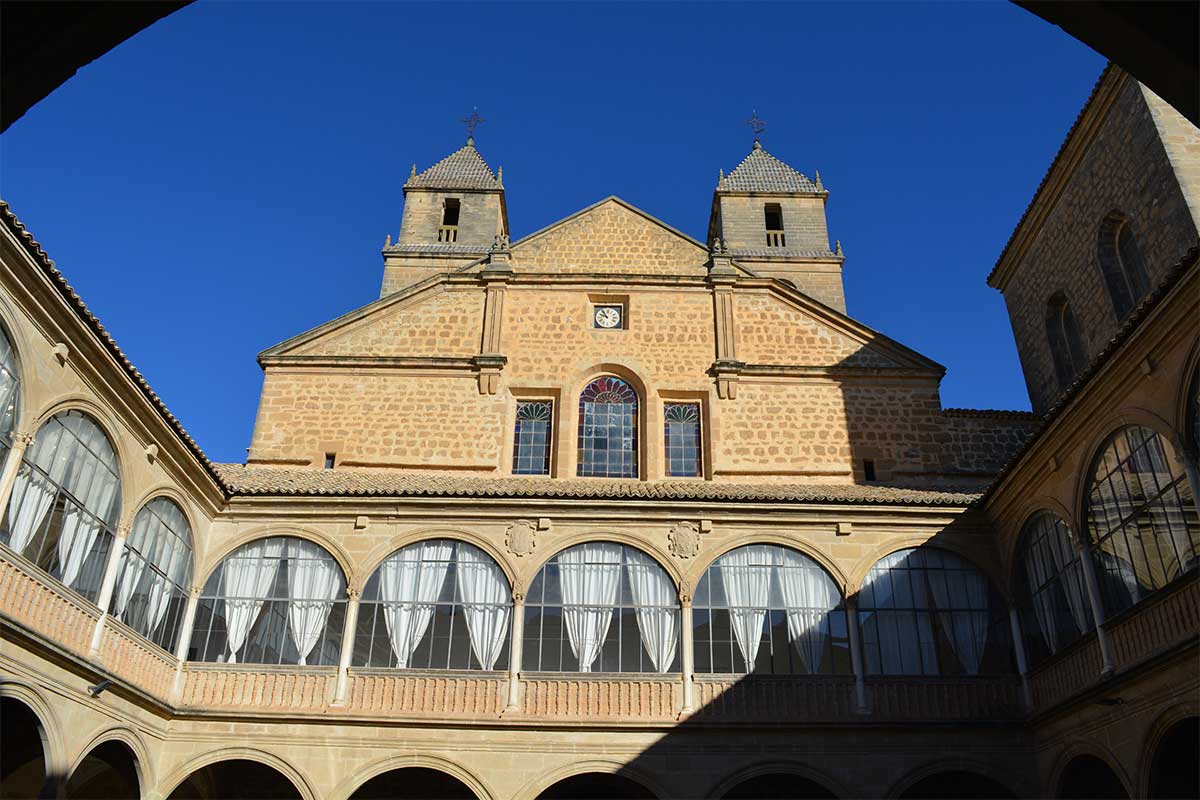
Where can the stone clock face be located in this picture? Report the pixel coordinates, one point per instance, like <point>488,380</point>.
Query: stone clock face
<point>608,316</point>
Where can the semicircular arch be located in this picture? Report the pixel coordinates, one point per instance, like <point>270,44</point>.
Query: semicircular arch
<point>692,577</point>
<point>1091,749</point>
<point>363,775</point>
<point>612,537</point>
<point>322,540</point>
<point>775,767</point>
<point>941,765</point>
<point>142,763</point>
<point>181,773</point>
<point>50,728</point>
<point>603,766</point>
<point>912,542</point>
<point>382,552</point>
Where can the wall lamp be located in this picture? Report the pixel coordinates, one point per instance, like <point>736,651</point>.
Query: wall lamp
<point>98,689</point>
<point>1110,701</point>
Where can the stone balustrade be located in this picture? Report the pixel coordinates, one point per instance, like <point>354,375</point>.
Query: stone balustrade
<point>944,699</point>
<point>38,603</point>
<point>1157,625</point>
<point>643,698</point>
<point>397,693</point>
<point>754,699</point>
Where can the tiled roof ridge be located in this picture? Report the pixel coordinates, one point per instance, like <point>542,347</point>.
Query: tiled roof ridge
<point>743,177</point>
<point>464,168</point>
<point>1068,395</point>
<point>39,255</point>
<point>1109,67</point>
<point>989,413</point>
<point>244,480</point>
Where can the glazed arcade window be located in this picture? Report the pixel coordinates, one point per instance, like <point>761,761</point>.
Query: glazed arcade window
<point>608,435</point>
<point>682,440</point>
<point>532,436</point>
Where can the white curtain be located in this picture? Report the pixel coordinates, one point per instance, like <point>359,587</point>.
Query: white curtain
<point>314,582</point>
<point>409,584</point>
<point>746,576</point>
<point>92,480</point>
<point>132,569</point>
<point>32,493</point>
<point>965,588</point>
<point>485,596</point>
<point>248,576</point>
<point>590,575</point>
<point>809,595</point>
<point>1052,555</point>
<point>878,618</point>
<point>8,387</point>
<point>656,601</point>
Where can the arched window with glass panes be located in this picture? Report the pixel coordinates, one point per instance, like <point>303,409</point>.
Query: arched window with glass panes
<point>601,607</point>
<point>1055,610</point>
<point>65,502</point>
<point>927,611</point>
<point>279,600</point>
<point>768,609</point>
<point>435,604</point>
<point>1121,263</point>
<point>155,573</point>
<point>608,429</point>
<point>9,393</point>
<point>1141,517</point>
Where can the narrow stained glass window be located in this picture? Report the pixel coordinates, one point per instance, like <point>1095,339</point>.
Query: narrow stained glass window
<point>681,438</point>
<point>608,409</point>
<point>531,437</point>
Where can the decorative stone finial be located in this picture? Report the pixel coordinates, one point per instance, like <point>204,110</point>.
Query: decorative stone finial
<point>818,176</point>
<point>470,141</point>
<point>757,144</point>
<point>838,246</point>
<point>413,174</point>
<point>499,174</point>
<point>388,241</point>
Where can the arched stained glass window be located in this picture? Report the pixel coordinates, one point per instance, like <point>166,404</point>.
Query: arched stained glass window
<point>280,600</point>
<point>601,607</point>
<point>437,604</point>
<point>9,384</point>
<point>768,609</point>
<point>926,611</point>
<point>66,501</point>
<point>608,429</point>
<point>1055,610</point>
<point>155,573</point>
<point>1141,517</point>
<point>532,437</point>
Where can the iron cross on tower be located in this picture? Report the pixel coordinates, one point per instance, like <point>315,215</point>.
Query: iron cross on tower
<point>757,125</point>
<point>472,121</point>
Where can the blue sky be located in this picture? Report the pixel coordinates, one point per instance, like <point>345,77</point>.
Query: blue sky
<point>225,179</point>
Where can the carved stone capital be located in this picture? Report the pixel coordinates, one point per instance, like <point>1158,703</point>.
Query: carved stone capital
<point>353,593</point>
<point>518,597</point>
<point>685,599</point>
<point>26,439</point>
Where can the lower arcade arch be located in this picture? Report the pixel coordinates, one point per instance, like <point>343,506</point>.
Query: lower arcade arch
<point>109,771</point>
<point>236,777</point>
<point>779,785</point>
<point>956,785</point>
<point>23,754</point>
<point>1173,772</point>
<point>1087,776</point>
<point>414,783</point>
<point>596,786</point>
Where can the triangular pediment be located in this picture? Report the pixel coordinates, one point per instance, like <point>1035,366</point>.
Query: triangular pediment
<point>429,318</point>
<point>610,237</point>
<point>780,326</point>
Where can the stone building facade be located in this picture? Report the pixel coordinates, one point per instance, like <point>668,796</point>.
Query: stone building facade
<point>610,512</point>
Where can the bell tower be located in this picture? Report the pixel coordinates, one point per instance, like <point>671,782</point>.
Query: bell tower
<point>453,212</point>
<point>772,220</point>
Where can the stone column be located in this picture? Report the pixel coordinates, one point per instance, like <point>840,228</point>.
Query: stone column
<point>106,588</point>
<point>185,641</point>
<point>1014,621</point>
<point>514,653</point>
<point>343,674</point>
<point>856,659</point>
<point>12,464</point>
<point>688,659</point>
<point>1093,592</point>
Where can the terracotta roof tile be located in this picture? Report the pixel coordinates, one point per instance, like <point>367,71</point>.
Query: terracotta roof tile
<point>277,481</point>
